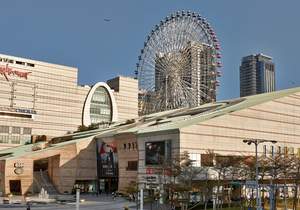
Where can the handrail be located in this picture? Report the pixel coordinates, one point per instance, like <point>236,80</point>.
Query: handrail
<point>195,205</point>
<point>47,184</point>
<point>37,182</point>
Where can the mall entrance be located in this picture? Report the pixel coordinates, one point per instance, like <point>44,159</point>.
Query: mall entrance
<point>107,167</point>
<point>15,187</point>
<point>40,165</point>
<point>85,186</point>
<point>43,170</point>
<point>108,185</point>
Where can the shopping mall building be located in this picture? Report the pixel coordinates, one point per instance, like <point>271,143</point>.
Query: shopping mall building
<point>39,100</point>
<point>110,157</point>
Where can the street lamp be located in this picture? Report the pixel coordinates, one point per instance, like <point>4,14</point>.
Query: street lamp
<point>256,142</point>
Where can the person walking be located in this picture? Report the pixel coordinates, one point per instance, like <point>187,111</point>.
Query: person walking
<point>28,206</point>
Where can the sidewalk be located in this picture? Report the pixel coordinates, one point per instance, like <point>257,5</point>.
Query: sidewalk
<point>89,200</point>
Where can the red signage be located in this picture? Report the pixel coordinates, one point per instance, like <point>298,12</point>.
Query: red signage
<point>149,171</point>
<point>166,172</point>
<point>7,71</point>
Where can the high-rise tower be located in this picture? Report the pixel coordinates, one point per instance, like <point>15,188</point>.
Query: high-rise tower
<point>257,75</point>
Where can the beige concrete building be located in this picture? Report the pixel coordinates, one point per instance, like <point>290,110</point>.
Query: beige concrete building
<point>37,98</point>
<point>65,165</point>
<point>43,100</point>
<point>133,150</point>
<point>126,94</point>
<point>223,126</point>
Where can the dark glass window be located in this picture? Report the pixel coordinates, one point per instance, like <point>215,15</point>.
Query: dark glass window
<point>132,166</point>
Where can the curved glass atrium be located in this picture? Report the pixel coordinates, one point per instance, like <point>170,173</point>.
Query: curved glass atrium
<point>101,107</point>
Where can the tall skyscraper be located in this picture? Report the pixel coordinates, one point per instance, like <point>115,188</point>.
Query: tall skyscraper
<point>257,75</point>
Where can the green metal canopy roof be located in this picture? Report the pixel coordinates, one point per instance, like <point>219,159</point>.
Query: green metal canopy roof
<point>158,122</point>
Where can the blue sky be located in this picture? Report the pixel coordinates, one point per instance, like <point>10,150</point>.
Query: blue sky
<point>74,33</point>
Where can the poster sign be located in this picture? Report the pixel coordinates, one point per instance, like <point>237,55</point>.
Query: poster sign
<point>107,160</point>
<point>157,152</point>
<point>7,71</point>
<point>18,168</point>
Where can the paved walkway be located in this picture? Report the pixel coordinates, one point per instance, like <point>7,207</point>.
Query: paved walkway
<point>91,202</point>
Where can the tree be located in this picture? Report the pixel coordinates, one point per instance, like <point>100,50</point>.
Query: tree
<point>177,175</point>
<point>132,189</point>
<point>295,175</point>
<point>227,169</point>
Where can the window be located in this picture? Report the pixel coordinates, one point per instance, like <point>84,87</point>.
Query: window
<point>16,130</point>
<point>100,109</point>
<point>278,150</point>
<point>20,62</point>
<point>285,150</point>
<point>4,129</point>
<point>272,151</point>
<point>3,138</point>
<point>196,159</point>
<point>15,139</point>
<point>27,131</point>
<point>291,150</point>
<point>265,150</point>
<point>132,166</point>
<point>30,64</point>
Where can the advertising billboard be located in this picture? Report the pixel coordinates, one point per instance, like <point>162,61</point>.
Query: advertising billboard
<point>107,160</point>
<point>157,152</point>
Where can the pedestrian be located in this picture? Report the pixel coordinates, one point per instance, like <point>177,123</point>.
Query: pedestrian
<point>28,206</point>
<point>113,195</point>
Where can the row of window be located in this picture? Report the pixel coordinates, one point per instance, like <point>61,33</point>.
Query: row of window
<point>206,160</point>
<point>100,110</point>
<point>15,130</point>
<point>10,139</point>
<point>130,146</point>
<point>7,60</point>
<point>280,150</point>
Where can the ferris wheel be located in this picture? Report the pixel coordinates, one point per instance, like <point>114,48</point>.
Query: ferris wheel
<point>178,65</point>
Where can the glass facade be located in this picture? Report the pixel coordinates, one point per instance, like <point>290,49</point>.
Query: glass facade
<point>257,75</point>
<point>101,106</point>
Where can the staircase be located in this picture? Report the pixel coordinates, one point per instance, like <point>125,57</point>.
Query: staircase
<point>42,180</point>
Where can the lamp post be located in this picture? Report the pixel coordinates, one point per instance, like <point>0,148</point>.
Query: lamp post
<point>256,142</point>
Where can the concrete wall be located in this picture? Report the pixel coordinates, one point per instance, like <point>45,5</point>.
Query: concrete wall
<point>126,94</point>
<point>124,155</point>
<point>50,90</point>
<point>274,120</point>
<point>2,175</point>
<point>75,161</point>
<point>173,136</point>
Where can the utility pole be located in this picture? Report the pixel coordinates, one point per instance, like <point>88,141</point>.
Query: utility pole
<point>256,142</point>
<point>258,201</point>
<point>77,198</point>
<point>271,181</point>
<point>141,199</point>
